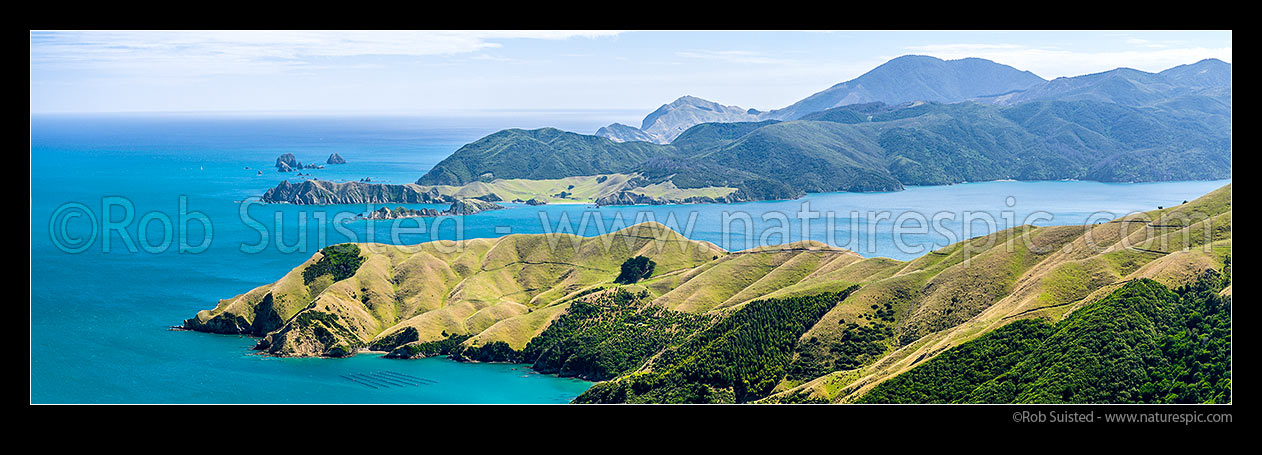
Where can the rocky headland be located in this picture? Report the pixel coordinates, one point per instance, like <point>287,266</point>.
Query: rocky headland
<point>324,192</point>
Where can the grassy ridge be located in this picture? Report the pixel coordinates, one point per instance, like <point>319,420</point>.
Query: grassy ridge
<point>1141,344</point>
<point>964,291</point>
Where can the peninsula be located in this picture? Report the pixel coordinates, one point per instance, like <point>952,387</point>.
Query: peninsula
<point>915,120</point>
<point>810,322</point>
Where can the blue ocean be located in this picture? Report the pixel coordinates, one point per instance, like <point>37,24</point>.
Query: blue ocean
<point>140,221</point>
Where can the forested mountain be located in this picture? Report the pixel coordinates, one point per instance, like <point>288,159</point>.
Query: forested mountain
<point>914,120</point>
<point>932,122</point>
<point>539,154</point>
<point>875,147</point>
<point>916,78</point>
<point>1208,73</point>
<point>1210,79</point>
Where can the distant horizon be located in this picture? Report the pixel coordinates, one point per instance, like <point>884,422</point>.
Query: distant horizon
<point>353,112</point>
<point>630,116</point>
<point>448,73</point>
<point>457,110</point>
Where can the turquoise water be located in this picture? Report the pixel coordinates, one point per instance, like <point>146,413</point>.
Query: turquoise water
<point>99,316</point>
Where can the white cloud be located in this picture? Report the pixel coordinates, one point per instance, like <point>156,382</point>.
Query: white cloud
<point>255,52</point>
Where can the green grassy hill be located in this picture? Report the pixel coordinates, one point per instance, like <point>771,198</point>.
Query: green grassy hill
<point>787,323</point>
<point>489,289</point>
<point>1142,343</point>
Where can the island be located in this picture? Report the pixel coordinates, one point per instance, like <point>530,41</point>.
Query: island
<point>288,163</point>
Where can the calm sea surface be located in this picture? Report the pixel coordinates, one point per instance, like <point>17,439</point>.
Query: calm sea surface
<point>138,222</point>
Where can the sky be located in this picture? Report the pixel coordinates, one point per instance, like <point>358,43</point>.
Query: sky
<point>445,71</point>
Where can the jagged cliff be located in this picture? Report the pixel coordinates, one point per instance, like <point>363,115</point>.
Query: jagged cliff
<point>610,189</point>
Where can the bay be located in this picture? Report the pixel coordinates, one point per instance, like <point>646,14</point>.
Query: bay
<point>99,316</point>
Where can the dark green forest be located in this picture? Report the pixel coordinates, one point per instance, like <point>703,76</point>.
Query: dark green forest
<point>875,147</point>
<point>740,358</point>
<point>635,269</point>
<point>1143,343</point>
<point>340,261</point>
<point>613,333</point>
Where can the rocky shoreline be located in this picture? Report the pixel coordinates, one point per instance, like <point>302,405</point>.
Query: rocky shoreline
<point>460,207</point>
<point>324,192</point>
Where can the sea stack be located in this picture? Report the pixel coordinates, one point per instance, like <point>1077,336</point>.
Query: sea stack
<point>335,159</point>
<point>287,162</point>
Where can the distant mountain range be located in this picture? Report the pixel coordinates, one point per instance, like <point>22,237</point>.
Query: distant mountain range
<point>1029,314</point>
<point>904,79</point>
<point>1208,78</point>
<point>923,78</point>
<point>916,78</point>
<point>914,120</point>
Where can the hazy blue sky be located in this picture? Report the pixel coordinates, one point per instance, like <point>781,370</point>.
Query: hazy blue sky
<point>396,72</point>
